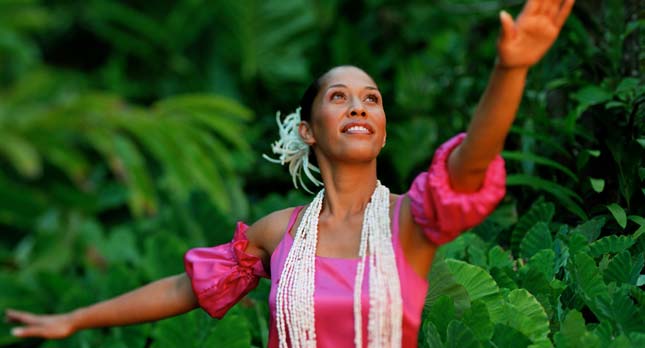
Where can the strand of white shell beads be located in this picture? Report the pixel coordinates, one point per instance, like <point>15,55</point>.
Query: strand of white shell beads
<point>295,319</point>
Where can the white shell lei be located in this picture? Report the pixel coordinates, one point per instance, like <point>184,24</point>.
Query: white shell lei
<point>295,295</point>
<point>291,149</point>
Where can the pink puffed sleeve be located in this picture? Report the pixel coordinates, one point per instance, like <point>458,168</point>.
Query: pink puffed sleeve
<point>223,274</point>
<point>442,212</point>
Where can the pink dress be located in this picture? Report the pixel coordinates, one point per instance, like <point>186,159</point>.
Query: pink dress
<point>223,274</point>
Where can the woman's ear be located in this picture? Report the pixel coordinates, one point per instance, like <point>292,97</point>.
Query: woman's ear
<point>306,133</point>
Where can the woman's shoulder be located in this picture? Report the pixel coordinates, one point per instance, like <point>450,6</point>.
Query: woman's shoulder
<point>267,232</point>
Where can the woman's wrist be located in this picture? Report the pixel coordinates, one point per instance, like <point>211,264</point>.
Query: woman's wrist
<point>502,67</point>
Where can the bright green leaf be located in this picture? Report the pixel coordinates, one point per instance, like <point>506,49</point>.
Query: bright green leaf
<point>619,214</point>
<point>598,185</point>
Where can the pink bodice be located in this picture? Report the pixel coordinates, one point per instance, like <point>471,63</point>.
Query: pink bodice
<point>334,293</point>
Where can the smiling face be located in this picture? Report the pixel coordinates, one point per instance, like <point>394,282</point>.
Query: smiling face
<point>347,118</point>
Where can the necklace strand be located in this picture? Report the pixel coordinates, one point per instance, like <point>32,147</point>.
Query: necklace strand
<point>295,312</point>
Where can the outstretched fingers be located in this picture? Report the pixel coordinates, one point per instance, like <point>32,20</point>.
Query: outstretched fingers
<point>508,26</point>
<point>564,12</point>
<point>15,316</point>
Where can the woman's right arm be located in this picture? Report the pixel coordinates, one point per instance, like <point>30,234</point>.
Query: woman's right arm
<point>158,300</point>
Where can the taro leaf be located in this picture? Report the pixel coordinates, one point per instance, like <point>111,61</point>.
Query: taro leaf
<point>610,244</point>
<point>197,329</point>
<point>497,257</point>
<point>619,310</point>
<point>544,262</point>
<point>621,269</point>
<point>460,336</point>
<point>604,333</point>
<point>441,313</point>
<point>591,229</point>
<point>578,243</point>
<point>536,239</point>
<point>540,211</point>
<point>442,282</point>
<point>503,277</point>
<point>430,336</point>
<point>506,336</point>
<point>573,333</point>
<point>619,214</point>
<point>487,230</point>
<point>479,285</point>
<point>525,314</point>
<point>478,320</point>
<point>586,278</point>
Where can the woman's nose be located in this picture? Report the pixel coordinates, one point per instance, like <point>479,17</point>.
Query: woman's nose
<point>357,108</point>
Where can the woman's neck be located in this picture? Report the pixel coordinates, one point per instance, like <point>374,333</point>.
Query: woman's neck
<point>348,188</point>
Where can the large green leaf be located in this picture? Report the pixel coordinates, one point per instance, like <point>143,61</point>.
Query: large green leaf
<point>196,329</point>
<point>525,314</point>
<point>610,244</point>
<point>586,278</point>
<point>540,211</point>
<point>443,283</point>
<point>460,336</point>
<point>479,285</point>
<point>536,239</point>
<point>621,269</point>
<point>573,333</point>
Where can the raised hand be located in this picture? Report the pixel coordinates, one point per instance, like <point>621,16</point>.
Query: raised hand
<point>44,326</point>
<point>524,42</point>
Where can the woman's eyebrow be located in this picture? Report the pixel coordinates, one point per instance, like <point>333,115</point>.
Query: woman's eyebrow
<point>344,86</point>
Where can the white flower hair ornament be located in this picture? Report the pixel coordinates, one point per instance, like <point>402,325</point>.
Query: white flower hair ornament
<point>290,148</point>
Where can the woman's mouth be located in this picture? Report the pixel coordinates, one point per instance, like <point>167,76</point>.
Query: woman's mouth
<point>355,128</point>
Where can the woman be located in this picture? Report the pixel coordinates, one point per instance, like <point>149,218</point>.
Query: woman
<point>349,269</point>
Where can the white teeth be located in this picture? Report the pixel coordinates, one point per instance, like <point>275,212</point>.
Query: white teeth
<point>357,129</point>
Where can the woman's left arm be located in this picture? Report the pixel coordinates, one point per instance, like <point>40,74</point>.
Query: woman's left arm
<point>521,44</point>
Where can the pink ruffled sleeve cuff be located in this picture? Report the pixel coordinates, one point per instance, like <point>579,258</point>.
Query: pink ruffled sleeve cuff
<point>444,213</point>
<point>223,274</point>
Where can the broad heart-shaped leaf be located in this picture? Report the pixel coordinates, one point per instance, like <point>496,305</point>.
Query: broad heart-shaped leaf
<point>441,313</point>
<point>591,229</point>
<point>536,239</point>
<point>506,336</point>
<point>544,262</point>
<point>621,269</point>
<point>617,308</point>
<point>197,329</point>
<point>540,211</point>
<point>525,314</point>
<point>443,283</point>
<point>479,285</point>
<point>460,336</point>
<point>610,244</point>
<point>586,279</point>
<point>478,320</point>
<point>498,257</point>
<point>573,333</point>
<point>429,336</point>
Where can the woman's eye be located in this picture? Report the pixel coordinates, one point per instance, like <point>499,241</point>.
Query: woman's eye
<point>337,96</point>
<point>372,98</point>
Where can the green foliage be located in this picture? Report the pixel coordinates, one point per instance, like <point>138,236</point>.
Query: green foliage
<point>127,138</point>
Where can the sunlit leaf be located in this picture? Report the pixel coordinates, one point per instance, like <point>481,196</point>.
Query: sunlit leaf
<point>619,214</point>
